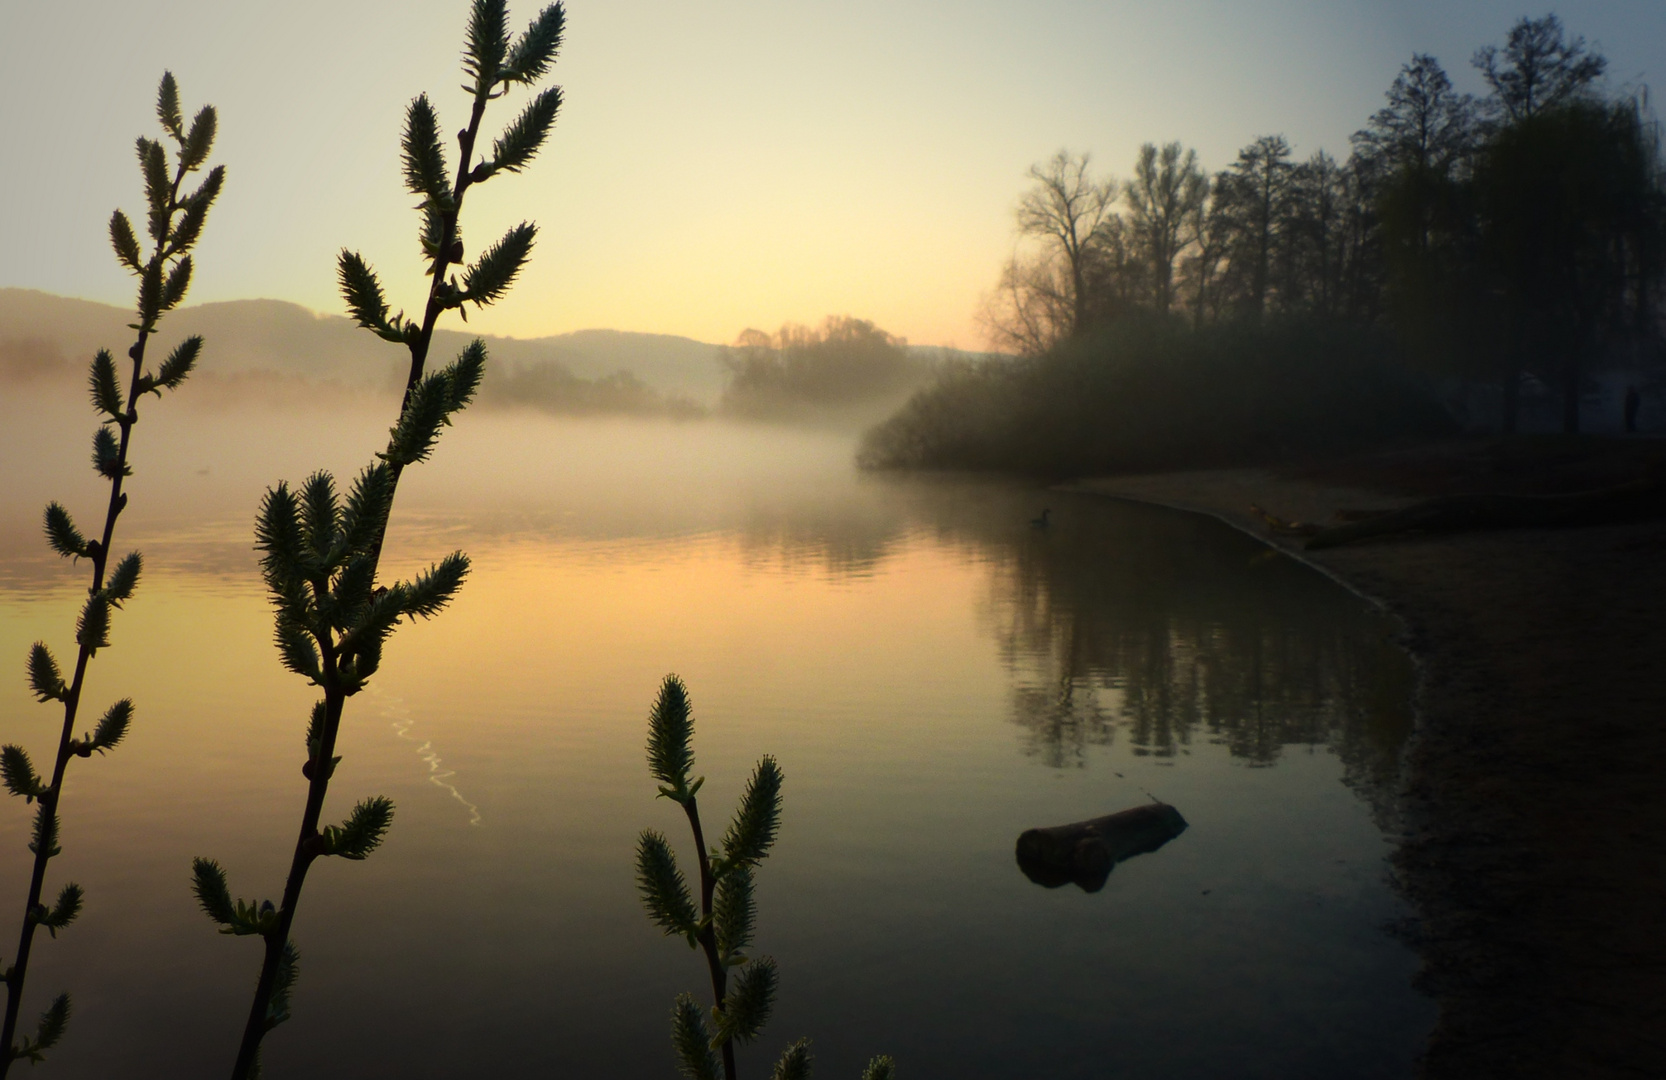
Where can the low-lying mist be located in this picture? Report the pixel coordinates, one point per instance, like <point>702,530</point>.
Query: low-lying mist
<point>205,464</point>
<point>846,374</point>
<point>264,350</point>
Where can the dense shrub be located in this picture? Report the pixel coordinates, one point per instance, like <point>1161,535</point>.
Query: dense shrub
<point>1151,396</point>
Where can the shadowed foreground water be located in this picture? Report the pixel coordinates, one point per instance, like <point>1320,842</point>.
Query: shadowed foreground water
<point>934,675</point>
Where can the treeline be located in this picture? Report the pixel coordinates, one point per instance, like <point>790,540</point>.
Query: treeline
<point>1145,394</point>
<point>550,388</point>
<point>1480,239</point>
<point>845,368</point>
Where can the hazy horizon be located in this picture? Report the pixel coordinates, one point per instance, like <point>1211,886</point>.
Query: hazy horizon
<point>278,351</point>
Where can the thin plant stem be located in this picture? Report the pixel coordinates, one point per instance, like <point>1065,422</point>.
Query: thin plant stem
<point>340,670</point>
<point>335,698</point>
<point>168,246</point>
<point>708,936</point>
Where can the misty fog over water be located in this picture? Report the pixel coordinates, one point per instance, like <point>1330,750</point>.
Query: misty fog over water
<point>933,674</point>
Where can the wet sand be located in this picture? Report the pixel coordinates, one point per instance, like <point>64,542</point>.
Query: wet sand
<point>1534,807</point>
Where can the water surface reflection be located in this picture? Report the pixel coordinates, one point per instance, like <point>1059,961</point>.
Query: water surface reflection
<point>934,675</point>
<point>1131,619</point>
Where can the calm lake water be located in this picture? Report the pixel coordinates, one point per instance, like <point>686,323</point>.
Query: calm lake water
<point>933,675</point>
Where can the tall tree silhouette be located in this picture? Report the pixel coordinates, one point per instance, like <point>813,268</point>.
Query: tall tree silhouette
<point>1572,213</point>
<point>1426,126</point>
<point>1252,197</point>
<point>1568,195</point>
<point>1164,199</point>
<point>1043,298</point>
<point>1310,260</point>
<point>1537,69</point>
<point>1419,150</point>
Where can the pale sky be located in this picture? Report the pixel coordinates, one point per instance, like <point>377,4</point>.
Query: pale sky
<point>717,165</point>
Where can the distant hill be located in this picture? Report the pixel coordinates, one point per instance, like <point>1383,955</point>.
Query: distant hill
<point>272,348</point>
<point>589,370</point>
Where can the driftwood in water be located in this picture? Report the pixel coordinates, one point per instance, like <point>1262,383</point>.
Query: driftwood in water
<point>1084,852</point>
<point>1636,501</point>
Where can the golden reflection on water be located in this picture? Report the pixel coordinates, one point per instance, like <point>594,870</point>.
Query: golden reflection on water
<point>934,675</point>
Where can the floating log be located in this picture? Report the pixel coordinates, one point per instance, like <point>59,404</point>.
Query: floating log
<point>1084,853</point>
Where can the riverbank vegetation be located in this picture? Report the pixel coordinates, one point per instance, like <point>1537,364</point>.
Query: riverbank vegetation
<point>1149,394</point>
<point>1282,305</point>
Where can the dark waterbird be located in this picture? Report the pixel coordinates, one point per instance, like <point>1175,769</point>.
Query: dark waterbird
<point>1085,852</point>
<point>1040,522</point>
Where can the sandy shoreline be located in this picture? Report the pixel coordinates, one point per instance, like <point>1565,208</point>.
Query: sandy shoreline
<point>1535,787</point>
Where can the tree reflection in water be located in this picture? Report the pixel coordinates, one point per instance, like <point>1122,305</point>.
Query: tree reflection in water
<point>1170,628</point>
<point>1132,621</point>
<point>1119,620</point>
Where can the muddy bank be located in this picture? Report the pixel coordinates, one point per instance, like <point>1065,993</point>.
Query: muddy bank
<point>1534,805</point>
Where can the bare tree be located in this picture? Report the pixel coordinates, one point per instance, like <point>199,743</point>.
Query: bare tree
<point>1201,266</point>
<point>1044,298</point>
<point>1538,68</point>
<point>1426,125</point>
<point>1312,260</point>
<point>1251,202</point>
<point>1164,200</point>
<point>1031,310</point>
<point>1361,243</point>
<point>1114,277</point>
<point>1417,155</point>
